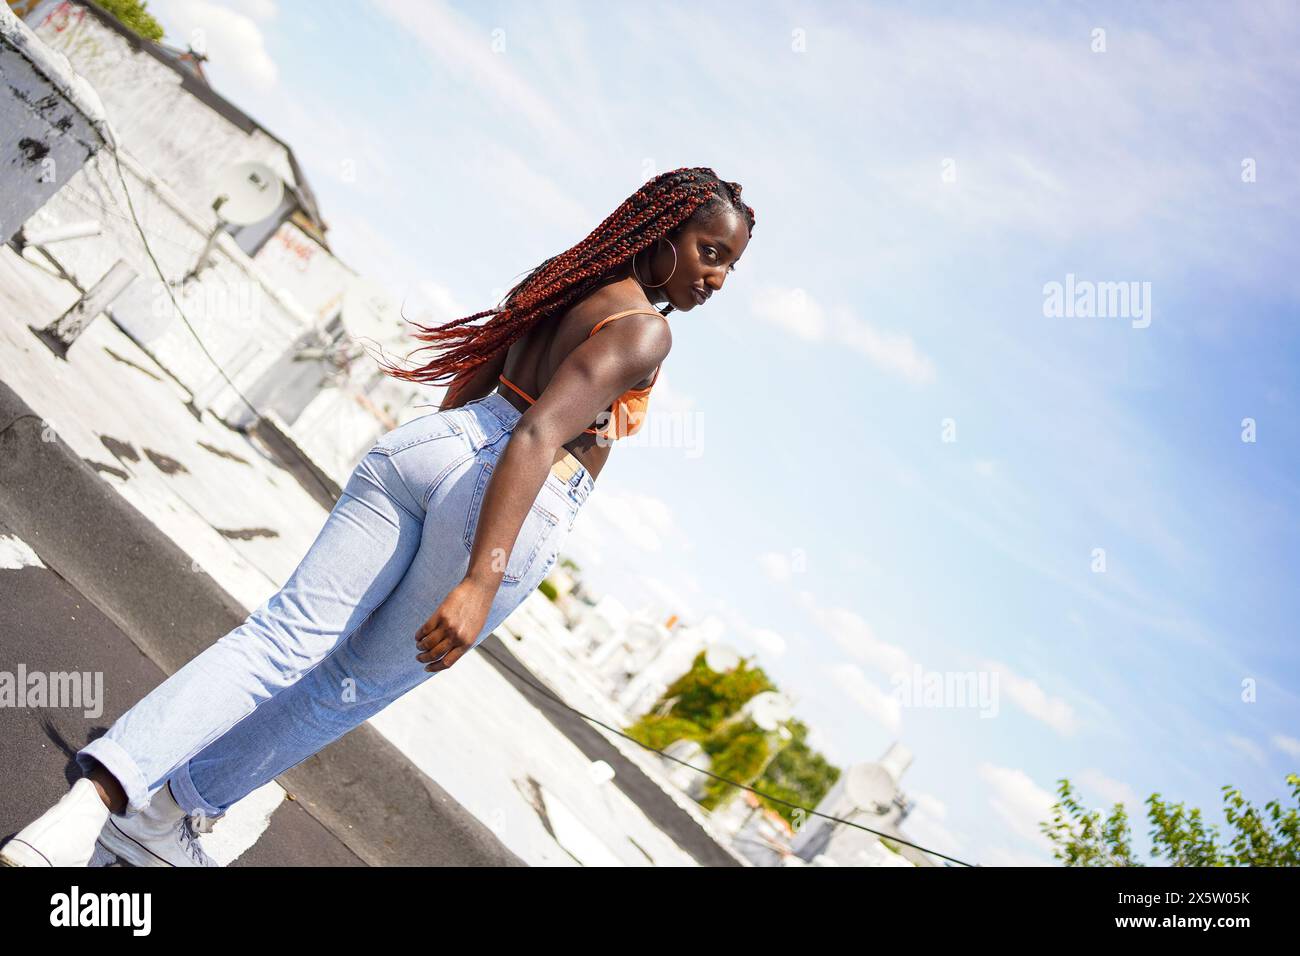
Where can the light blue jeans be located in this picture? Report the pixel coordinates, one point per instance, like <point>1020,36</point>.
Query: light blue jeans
<point>336,644</point>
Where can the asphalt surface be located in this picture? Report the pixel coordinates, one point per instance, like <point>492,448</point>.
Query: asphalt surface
<point>49,626</point>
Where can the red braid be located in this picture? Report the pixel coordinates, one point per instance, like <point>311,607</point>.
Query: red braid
<point>656,209</point>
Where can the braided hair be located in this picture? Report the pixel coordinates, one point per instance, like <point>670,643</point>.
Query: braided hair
<point>663,204</point>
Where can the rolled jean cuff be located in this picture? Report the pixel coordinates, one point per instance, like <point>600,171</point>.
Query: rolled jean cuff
<point>121,765</point>
<point>188,797</point>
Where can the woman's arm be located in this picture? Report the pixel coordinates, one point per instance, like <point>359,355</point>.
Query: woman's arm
<point>586,383</point>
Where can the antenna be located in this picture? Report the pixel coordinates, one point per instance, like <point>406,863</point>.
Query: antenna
<point>246,193</point>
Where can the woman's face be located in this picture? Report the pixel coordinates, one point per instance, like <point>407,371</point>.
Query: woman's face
<point>705,256</point>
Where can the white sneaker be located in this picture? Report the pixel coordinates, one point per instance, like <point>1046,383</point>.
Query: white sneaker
<point>63,835</point>
<point>161,834</point>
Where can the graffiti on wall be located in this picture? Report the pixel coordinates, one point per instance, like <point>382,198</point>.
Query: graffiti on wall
<point>302,252</point>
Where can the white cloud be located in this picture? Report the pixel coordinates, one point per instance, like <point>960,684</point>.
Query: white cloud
<point>517,183</point>
<point>766,640</point>
<point>879,704</point>
<point>891,352</point>
<point>1033,700</point>
<point>776,566</point>
<point>1019,802</point>
<point>855,636</point>
<point>232,40</point>
<point>259,9</point>
<point>1288,745</point>
<point>798,313</point>
<point>1248,747</point>
<point>465,49</point>
<point>770,642</point>
<point>645,521</point>
<point>794,311</point>
<point>1112,791</point>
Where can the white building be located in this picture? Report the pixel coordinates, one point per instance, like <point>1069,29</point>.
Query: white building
<point>274,291</point>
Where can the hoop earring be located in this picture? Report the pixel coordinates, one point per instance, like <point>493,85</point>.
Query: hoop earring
<point>670,274</point>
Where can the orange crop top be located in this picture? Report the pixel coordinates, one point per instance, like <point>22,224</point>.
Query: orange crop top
<point>628,411</point>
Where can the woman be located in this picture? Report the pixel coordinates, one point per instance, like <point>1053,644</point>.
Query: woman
<point>461,512</point>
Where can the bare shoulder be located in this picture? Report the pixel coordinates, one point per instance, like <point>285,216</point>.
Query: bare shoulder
<point>647,345</point>
<point>655,331</point>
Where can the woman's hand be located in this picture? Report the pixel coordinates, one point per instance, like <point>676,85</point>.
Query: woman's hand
<point>449,634</point>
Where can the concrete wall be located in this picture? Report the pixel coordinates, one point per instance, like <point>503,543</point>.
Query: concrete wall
<point>52,123</point>
<point>306,270</point>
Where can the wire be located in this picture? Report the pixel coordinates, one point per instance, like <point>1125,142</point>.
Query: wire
<point>311,469</point>
<point>97,206</point>
<point>527,679</point>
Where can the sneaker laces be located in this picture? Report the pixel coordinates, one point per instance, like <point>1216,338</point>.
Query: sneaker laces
<point>190,841</point>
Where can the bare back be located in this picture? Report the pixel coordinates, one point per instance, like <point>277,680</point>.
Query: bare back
<point>533,359</point>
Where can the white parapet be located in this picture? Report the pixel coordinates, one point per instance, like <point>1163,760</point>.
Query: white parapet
<point>52,118</point>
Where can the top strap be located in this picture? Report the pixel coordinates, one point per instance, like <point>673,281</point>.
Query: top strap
<point>517,390</point>
<point>619,315</point>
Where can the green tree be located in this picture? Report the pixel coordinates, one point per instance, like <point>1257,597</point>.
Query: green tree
<point>738,752</point>
<point>696,707</point>
<point>704,697</point>
<point>134,17</point>
<point>797,774</point>
<point>1178,835</point>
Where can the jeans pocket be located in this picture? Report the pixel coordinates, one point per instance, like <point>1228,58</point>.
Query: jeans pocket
<point>533,536</point>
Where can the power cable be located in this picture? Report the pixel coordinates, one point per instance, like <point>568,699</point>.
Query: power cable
<point>549,693</point>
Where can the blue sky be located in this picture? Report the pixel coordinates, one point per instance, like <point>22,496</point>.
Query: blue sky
<point>920,173</point>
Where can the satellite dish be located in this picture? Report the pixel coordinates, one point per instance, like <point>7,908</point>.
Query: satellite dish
<point>721,658</point>
<point>768,709</point>
<point>247,193</point>
<point>369,312</point>
<point>869,787</point>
